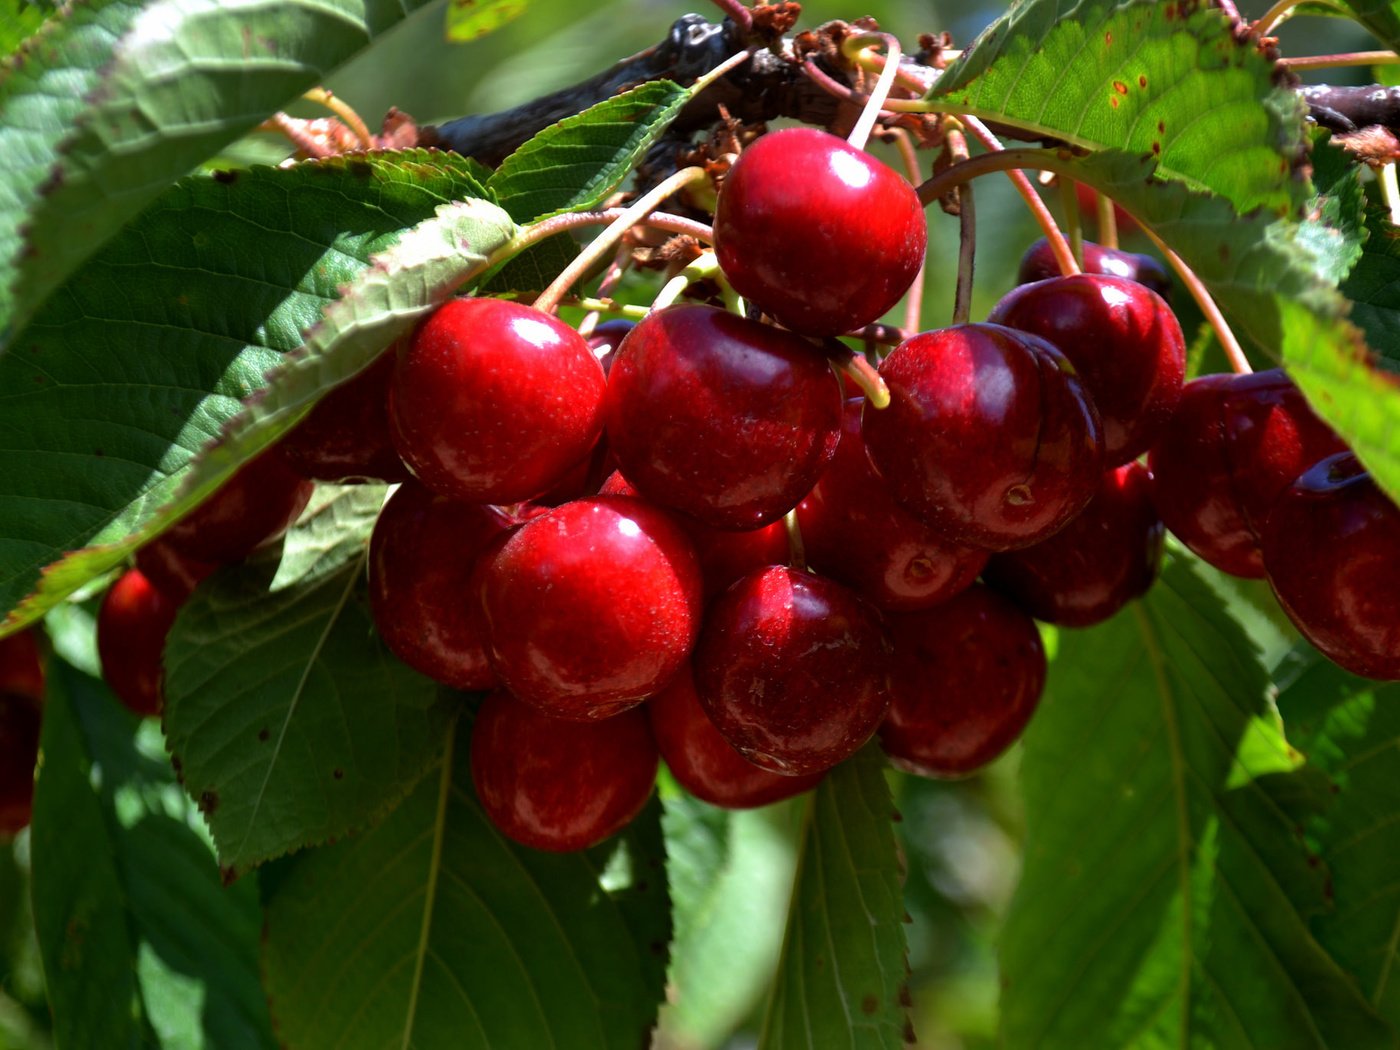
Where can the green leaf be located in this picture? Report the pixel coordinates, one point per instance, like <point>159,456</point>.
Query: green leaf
<point>149,352</point>
<point>142,945</point>
<point>1137,76</point>
<point>433,930</point>
<point>1166,894</point>
<point>578,162</point>
<point>1336,227</point>
<point>291,721</point>
<point>19,19</point>
<point>1381,17</point>
<point>841,980</point>
<point>469,19</point>
<point>120,97</point>
<point>1373,286</point>
<point>533,269</point>
<point>1349,728</point>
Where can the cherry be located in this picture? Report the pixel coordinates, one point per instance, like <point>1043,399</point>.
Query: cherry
<point>1232,448</point>
<point>1124,342</point>
<point>1039,263</point>
<point>703,761</point>
<point>855,532</point>
<point>254,506</point>
<point>965,678</point>
<point>557,785</point>
<point>1089,206</point>
<point>426,560</point>
<point>592,606</point>
<point>20,722</point>
<point>791,668</point>
<point>1100,561</point>
<point>22,665</point>
<point>172,571</point>
<point>990,436</point>
<point>606,338</point>
<point>132,626</point>
<point>346,436</point>
<point>493,401</point>
<point>1331,546</point>
<point>722,418</point>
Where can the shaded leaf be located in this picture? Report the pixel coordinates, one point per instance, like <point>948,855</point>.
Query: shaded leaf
<point>1381,17</point>
<point>1373,286</point>
<point>469,19</point>
<point>1336,226</point>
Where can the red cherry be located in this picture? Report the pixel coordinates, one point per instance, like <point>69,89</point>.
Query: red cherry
<point>606,338</point>
<point>1039,264</point>
<point>254,506</point>
<point>1331,546</point>
<point>989,437</point>
<point>1096,564</point>
<point>20,718</point>
<point>1232,448</point>
<point>132,626</point>
<point>791,668</point>
<point>170,570</point>
<point>426,560</point>
<point>1089,206</point>
<point>592,606</point>
<point>855,532</point>
<point>703,761</point>
<point>965,679</point>
<point>346,436</point>
<point>722,418</point>
<point>557,785</point>
<point>494,402</point>
<point>818,233</point>
<point>22,665</point>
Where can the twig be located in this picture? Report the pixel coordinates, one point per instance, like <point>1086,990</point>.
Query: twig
<point>967,235</point>
<point>1238,361</point>
<point>851,47</point>
<point>345,112</point>
<point>1338,61</point>
<point>914,298</point>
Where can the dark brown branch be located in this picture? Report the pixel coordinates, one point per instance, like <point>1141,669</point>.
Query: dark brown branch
<point>1348,109</point>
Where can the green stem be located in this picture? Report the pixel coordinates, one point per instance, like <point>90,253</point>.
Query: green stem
<point>345,112</point>
<point>851,47</point>
<point>859,371</point>
<point>1069,200</point>
<point>1108,220</point>
<point>1346,58</point>
<point>1390,190</point>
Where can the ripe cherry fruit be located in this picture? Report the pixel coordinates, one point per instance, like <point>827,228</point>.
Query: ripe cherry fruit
<point>132,626</point>
<point>1039,263</point>
<point>20,723</point>
<point>346,436</point>
<point>22,665</point>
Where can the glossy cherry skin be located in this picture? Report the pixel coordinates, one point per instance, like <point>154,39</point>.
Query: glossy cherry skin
<point>425,565</point>
<point>346,436</point>
<point>557,785</point>
<point>22,665</point>
<point>1095,565</point>
<point>1235,444</point>
<point>724,555</point>
<point>855,532</point>
<point>722,418</point>
<point>171,570</point>
<point>990,437</point>
<point>20,722</point>
<point>1331,547</point>
<point>965,679</point>
<point>1039,263</point>
<point>792,670</point>
<point>132,626</point>
<point>1124,342</point>
<point>592,606</point>
<point>819,234</point>
<point>703,761</point>
<point>606,338</point>
<point>494,402</point>
<point>256,505</point>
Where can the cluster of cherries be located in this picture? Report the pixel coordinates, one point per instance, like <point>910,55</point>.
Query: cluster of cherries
<point>683,540</point>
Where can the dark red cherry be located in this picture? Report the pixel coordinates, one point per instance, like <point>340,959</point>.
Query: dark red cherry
<point>1232,448</point>
<point>703,761</point>
<point>855,532</point>
<point>1124,342</point>
<point>965,679</point>
<point>20,718</point>
<point>346,437</point>
<point>494,401</point>
<point>22,665</point>
<point>557,785</point>
<point>1331,547</point>
<point>990,436</point>
<point>256,505</point>
<point>791,668</point>
<point>1039,263</point>
<point>592,606</point>
<point>722,418</point>
<point>817,233</point>
<point>1100,561</point>
<point>171,570</point>
<point>425,561</point>
<point>606,338</point>
<point>132,626</point>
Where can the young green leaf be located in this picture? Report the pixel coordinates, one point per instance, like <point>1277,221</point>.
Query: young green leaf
<point>291,721</point>
<point>1373,286</point>
<point>433,930</point>
<point>1336,226</point>
<point>841,979</point>
<point>469,19</point>
<point>1167,895</point>
<point>142,946</point>
<point>1381,17</point>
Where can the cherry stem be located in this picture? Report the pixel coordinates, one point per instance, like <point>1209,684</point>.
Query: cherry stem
<point>345,112</point>
<point>1390,190</point>
<point>1274,16</point>
<point>609,238</point>
<point>914,298</point>
<point>967,234</point>
<point>835,88</point>
<point>291,129</point>
<point>851,48</point>
<point>855,367</point>
<point>797,550</point>
<point>611,276</point>
<point>733,61</point>
<point>701,268</point>
<point>1108,220</point>
<point>1069,200</point>
<point>1233,351</point>
<point>1346,58</point>
<point>738,13</point>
